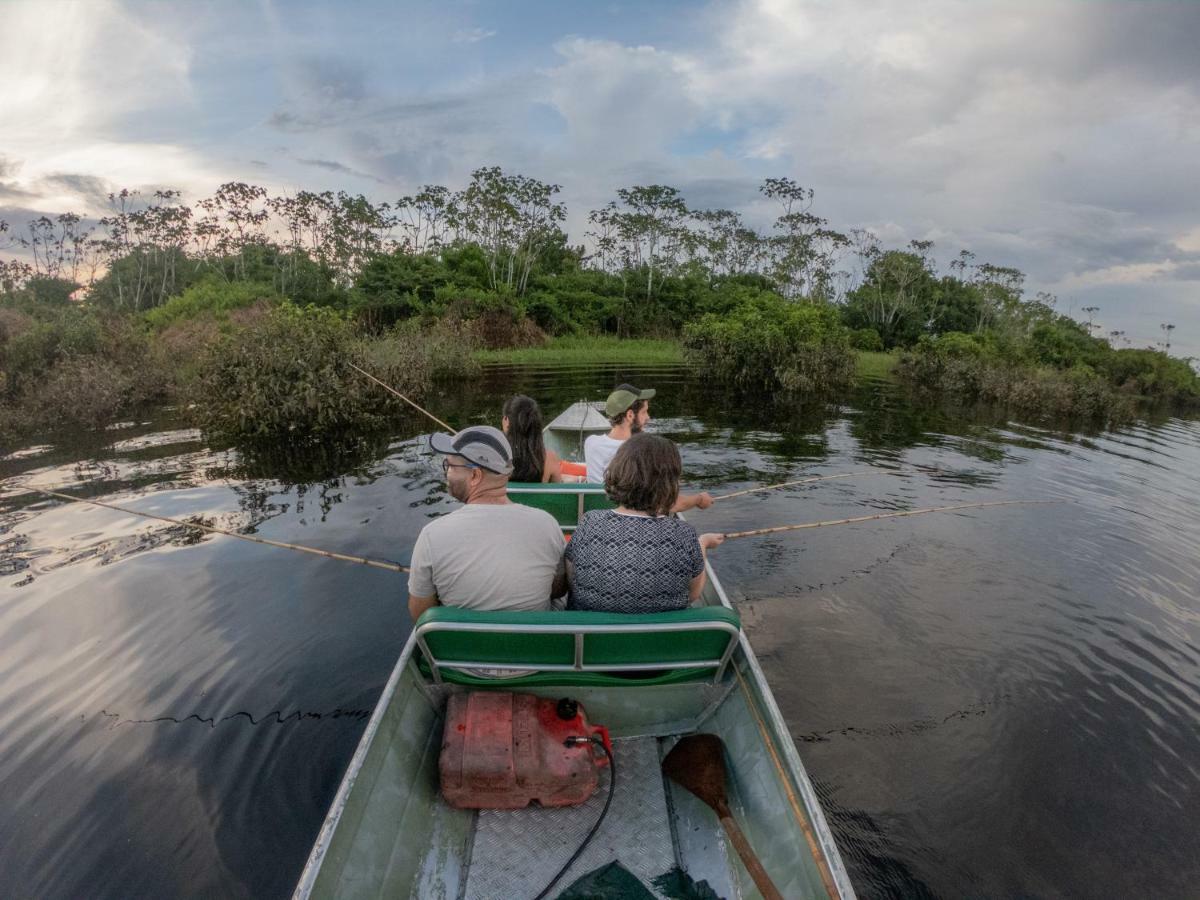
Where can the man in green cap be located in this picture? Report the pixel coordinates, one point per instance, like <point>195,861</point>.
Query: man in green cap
<point>628,410</point>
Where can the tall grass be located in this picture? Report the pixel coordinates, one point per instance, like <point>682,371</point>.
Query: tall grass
<point>589,350</point>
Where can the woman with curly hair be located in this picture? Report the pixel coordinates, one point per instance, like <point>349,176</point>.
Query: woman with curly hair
<point>638,558</point>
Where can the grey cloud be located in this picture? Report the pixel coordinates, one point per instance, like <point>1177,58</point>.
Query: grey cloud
<point>332,80</point>
<point>332,166</point>
<point>472,36</point>
<point>284,120</point>
<point>11,191</point>
<point>1187,272</point>
<point>452,110</point>
<point>720,193</point>
<point>18,217</point>
<point>94,191</point>
<point>1157,42</point>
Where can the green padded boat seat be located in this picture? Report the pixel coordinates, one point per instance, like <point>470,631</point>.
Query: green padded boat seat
<point>566,502</point>
<point>577,648</point>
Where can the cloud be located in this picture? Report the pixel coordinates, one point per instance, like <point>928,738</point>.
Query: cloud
<point>10,190</point>
<point>330,165</point>
<point>1189,242</point>
<point>331,80</point>
<point>1059,137</point>
<point>109,64</point>
<point>472,36</point>
<point>91,189</point>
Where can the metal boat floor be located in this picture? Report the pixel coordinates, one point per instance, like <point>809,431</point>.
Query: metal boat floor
<point>517,851</point>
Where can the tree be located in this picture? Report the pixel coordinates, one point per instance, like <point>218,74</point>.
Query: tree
<point>1000,290</point>
<point>1167,328</point>
<point>235,217</point>
<point>358,231</point>
<point>144,248</point>
<point>805,249</point>
<point>898,297</point>
<point>425,217</point>
<point>652,226</point>
<point>724,245</point>
<point>13,272</point>
<point>511,217</point>
<point>59,248</point>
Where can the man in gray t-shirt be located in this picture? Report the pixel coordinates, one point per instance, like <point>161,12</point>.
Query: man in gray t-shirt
<point>492,553</point>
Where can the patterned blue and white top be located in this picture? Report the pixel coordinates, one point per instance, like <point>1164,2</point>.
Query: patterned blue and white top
<point>632,564</point>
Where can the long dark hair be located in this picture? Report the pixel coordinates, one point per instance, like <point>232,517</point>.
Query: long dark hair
<point>525,436</point>
<point>644,474</point>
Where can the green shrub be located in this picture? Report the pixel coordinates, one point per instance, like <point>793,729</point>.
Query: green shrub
<point>287,376</point>
<point>86,392</point>
<point>35,338</point>
<point>964,368</point>
<point>866,339</point>
<point>1063,344</point>
<point>1151,373</point>
<point>444,349</point>
<point>45,290</point>
<point>80,392</point>
<point>495,320</point>
<point>770,343</point>
<point>211,298</point>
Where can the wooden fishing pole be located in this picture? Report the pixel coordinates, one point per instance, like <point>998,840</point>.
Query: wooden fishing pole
<point>362,560</point>
<point>732,535</point>
<point>772,487</point>
<point>415,406</point>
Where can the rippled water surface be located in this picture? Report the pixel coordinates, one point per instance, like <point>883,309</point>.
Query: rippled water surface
<point>998,702</point>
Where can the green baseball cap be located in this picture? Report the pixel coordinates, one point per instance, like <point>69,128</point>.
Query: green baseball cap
<point>624,397</point>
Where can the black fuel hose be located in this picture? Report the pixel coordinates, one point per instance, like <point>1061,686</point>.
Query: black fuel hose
<point>612,785</point>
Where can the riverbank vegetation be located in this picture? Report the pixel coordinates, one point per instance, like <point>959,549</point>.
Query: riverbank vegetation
<point>247,308</point>
<point>589,349</point>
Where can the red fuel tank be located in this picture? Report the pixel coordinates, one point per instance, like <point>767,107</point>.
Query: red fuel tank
<point>504,751</point>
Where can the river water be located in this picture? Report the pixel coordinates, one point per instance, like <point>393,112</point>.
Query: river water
<point>999,702</point>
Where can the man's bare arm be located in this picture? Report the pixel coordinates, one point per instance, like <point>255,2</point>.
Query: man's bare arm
<point>418,605</point>
<point>703,500</point>
<point>560,585</point>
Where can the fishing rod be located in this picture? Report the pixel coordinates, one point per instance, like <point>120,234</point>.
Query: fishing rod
<point>771,487</point>
<point>414,405</point>
<point>733,535</point>
<point>766,487</point>
<point>328,554</point>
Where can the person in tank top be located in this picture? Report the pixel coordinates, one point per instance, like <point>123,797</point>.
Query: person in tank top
<point>522,425</point>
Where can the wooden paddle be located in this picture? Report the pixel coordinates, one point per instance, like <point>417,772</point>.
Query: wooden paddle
<point>697,763</point>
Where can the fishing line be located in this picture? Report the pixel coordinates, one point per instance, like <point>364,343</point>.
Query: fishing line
<point>328,554</point>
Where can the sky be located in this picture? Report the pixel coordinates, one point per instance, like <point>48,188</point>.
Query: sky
<point>1062,138</point>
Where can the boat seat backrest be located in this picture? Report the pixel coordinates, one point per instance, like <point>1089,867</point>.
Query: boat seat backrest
<point>566,502</point>
<point>577,647</point>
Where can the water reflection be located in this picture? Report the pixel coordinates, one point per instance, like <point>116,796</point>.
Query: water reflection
<point>995,702</point>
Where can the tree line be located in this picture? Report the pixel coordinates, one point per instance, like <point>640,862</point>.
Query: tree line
<point>492,266</point>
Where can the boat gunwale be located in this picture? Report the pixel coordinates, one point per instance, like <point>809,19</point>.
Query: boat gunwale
<point>795,766</point>
<point>316,857</point>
